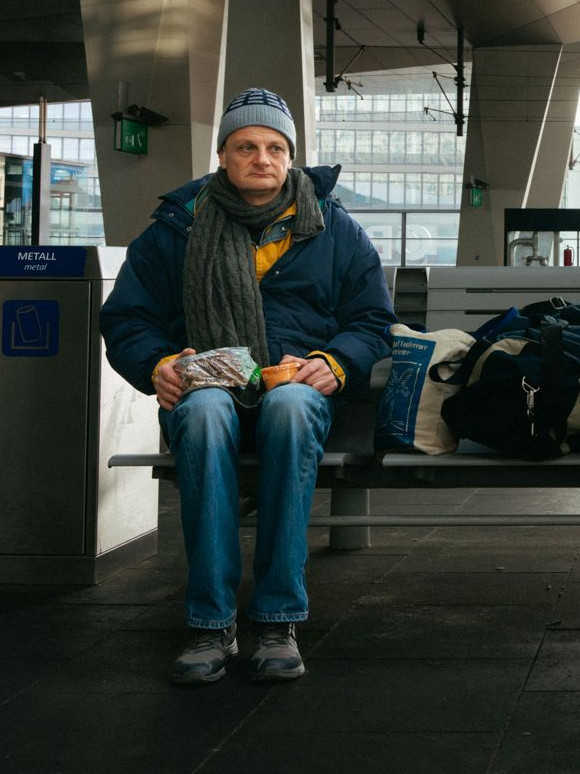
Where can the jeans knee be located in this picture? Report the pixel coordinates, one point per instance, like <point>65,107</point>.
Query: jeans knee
<point>207,414</point>
<point>296,407</point>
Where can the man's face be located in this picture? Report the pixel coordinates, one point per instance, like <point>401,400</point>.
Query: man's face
<point>257,160</point>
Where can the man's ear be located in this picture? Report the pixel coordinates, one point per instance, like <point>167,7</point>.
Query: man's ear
<point>222,159</point>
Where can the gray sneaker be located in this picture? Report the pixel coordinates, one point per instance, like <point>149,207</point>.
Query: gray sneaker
<point>204,658</point>
<point>276,656</point>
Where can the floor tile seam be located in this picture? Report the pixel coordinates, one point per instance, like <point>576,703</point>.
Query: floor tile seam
<point>32,688</point>
<point>521,692</point>
<point>217,749</point>
<point>504,730</point>
<point>508,573</point>
<point>349,611</point>
<point>75,605</point>
<point>497,547</point>
<point>96,604</point>
<point>555,627</point>
<point>546,692</point>
<point>531,573</point>
<point>431,660</point>
<point>492,606</point>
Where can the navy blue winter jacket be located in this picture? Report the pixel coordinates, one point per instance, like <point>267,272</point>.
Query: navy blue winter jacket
<point>325,293</point>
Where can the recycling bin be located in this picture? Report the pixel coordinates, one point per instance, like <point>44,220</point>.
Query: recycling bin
<point>65,517</point>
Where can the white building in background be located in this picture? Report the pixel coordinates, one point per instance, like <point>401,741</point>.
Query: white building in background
<point>401,158</point>
<point>401,169</point>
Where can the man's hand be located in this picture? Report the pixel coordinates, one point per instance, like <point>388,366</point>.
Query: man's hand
<point>168,384</point>
<point>315,372</point>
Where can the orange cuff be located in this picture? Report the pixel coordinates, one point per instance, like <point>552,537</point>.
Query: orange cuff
<point>334,366</point>
<point>162,362</point>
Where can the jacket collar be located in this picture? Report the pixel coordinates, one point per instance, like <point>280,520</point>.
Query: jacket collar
<point>324,179</point>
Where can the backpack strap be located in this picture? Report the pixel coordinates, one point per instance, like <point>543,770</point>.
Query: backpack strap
<point>552,377</point>
<point>554,304</point>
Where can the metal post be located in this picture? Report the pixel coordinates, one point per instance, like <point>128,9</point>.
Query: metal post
<point>460,81</point>
<point>329,83</point>
<point>350,502</point>
<point>41,183</point>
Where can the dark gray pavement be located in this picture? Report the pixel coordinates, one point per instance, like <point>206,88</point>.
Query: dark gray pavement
<point>452,650</point>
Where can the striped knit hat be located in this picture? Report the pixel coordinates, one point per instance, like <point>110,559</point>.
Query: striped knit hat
<point>258,107</point>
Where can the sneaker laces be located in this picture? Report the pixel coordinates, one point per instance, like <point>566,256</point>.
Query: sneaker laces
<point>271,636</point>
<point>205,639</point>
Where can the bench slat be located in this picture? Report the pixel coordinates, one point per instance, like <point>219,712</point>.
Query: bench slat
<point>472,459</point>
<point>167,460</point>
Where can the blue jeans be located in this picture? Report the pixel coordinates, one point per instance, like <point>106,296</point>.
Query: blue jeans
<point>205,434</point>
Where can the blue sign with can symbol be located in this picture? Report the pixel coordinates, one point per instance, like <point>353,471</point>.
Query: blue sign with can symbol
<point>30,328</point>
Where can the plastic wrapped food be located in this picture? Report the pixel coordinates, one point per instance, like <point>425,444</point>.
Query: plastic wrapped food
<point>224,367</point>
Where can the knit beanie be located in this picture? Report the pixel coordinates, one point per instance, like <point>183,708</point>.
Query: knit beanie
<point>258,107</point>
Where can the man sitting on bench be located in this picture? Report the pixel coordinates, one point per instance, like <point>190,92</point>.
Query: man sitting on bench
<point>259,255</point>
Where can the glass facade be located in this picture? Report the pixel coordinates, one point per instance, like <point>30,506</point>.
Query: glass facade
<point>75,200</point>
<point>402,169</point>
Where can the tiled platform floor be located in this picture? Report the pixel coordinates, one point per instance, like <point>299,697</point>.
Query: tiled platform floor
<point>452,650</point>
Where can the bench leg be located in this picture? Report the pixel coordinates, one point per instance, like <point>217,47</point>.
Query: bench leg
<point>348,502</point>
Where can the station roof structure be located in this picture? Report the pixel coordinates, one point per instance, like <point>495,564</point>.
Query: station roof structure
<point>42,48</point>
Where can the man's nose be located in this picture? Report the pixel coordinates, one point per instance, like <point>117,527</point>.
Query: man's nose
<point>262,156</point>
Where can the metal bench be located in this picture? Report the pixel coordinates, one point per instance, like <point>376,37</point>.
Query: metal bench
<point>439,298</point>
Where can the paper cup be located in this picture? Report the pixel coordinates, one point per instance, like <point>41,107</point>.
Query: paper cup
<point>280,374</point>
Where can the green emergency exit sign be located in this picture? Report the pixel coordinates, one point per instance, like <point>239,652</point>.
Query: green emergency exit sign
<point>130,136</point>
<point>475,197</point>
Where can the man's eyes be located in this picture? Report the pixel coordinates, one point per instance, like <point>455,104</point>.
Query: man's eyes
<point>253,148</point>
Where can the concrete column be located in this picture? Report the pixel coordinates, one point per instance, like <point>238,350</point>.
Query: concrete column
<point>510,143</point>
<point>206,78</point>
<point>167,52</point>
<point>546,184</point>
<point>271,45</point>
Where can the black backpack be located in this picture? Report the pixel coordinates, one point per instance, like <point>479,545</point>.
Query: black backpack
<point>520,383</point>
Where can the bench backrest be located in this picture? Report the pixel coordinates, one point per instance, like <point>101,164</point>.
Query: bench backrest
<point>465,297</point>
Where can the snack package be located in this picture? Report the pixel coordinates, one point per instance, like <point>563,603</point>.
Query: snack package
<point>224,367</point>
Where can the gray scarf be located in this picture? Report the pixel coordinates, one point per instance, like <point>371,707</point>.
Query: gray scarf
<point>221,295</point>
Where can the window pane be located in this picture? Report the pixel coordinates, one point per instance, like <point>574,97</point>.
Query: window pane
<point>380,147</point>
<point>345,189</point>
<point>70,149</point>
<point>397,147</point>
<point>398,106</point>
<point>380,108</point>
<point>326,153</point>
<point>55,147</point>
<point>384,231</point>
<point>345,146</point>
<point>430,190</point>
<point>447,152</point>
<point>414,147</point>
<point>71,116</point>
<point>440,224</point>
<point>449,190</point>
<point>20,146</point>
<point>87,150</point>
<point>380,188</point>
<point>54,113</point>
<point>396,190</point>
<point>364,147</point>
<point>362,187</point>
<point>413,190</point>
<point>431,148</point>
